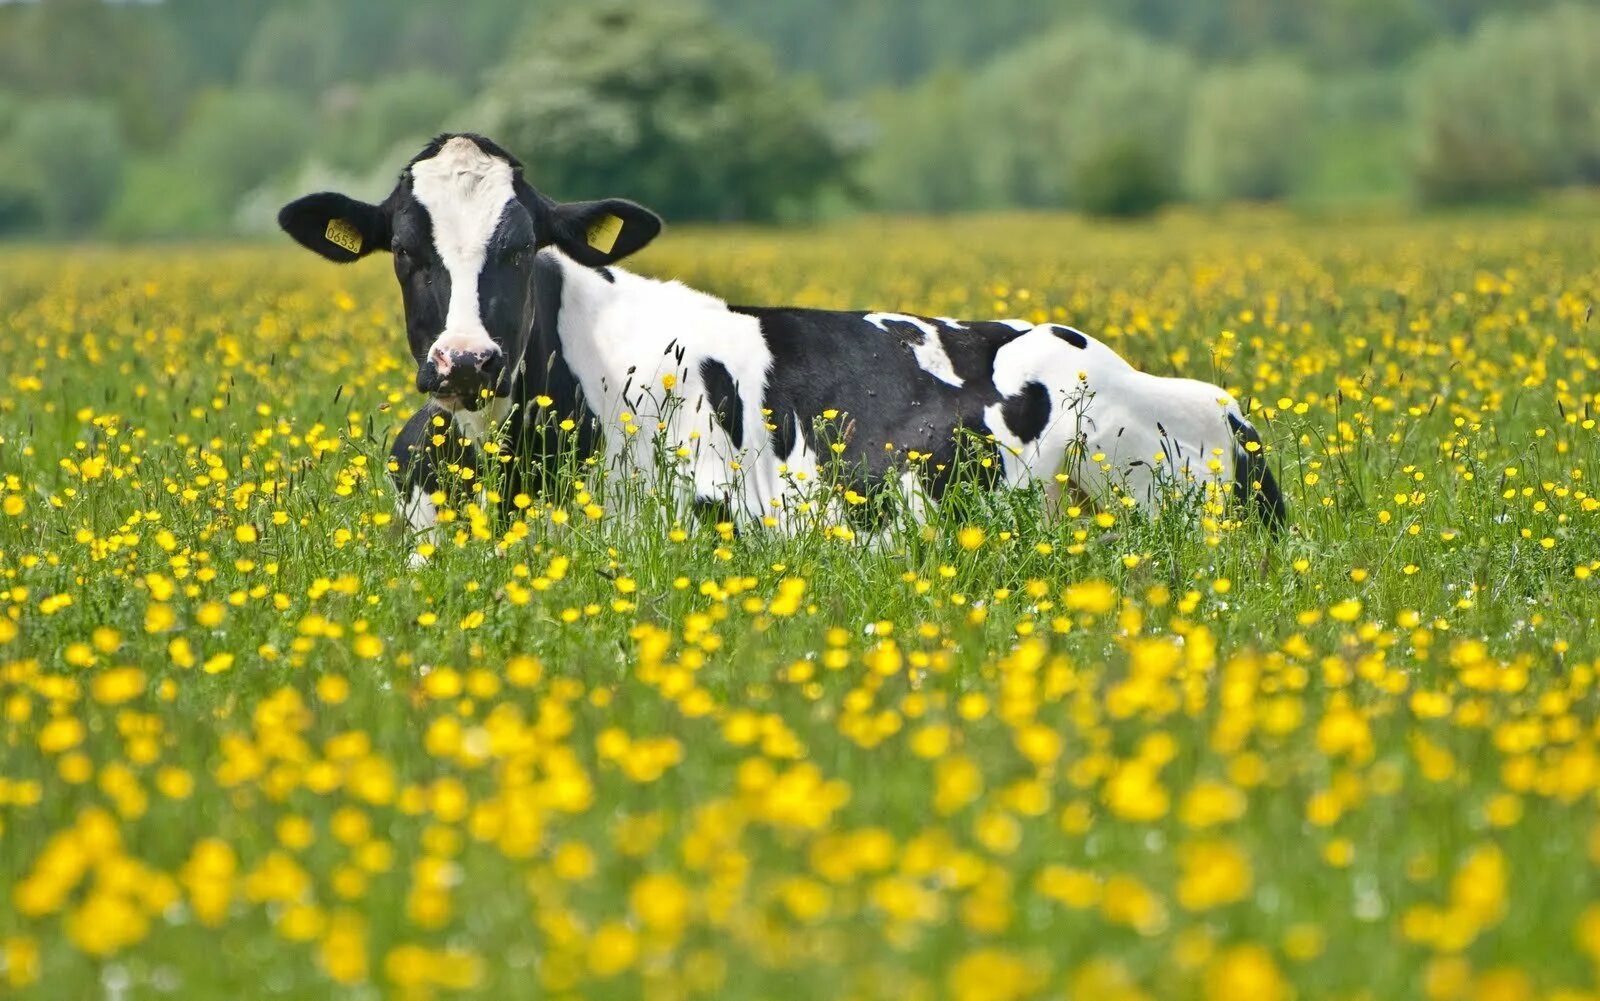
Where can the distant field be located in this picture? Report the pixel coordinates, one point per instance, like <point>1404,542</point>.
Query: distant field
<point>247,752</point>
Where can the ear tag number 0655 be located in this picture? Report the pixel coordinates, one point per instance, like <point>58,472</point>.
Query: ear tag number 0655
<point>603,234</point>
<point>342,234</point>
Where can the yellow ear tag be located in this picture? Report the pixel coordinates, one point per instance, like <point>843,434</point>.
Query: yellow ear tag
<point>342,234</point>
<point>603,234</point>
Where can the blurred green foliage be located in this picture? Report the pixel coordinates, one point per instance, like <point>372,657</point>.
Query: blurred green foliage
<point>790,108</point>
<point>659,102</point>
<point>1248,131</point>
<point>61,160</point>
<point>1089,116</point>
<point>1511,108</point>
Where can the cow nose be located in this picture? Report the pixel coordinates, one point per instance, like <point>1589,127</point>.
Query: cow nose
<point>490,364</point>
<point>468,370</point>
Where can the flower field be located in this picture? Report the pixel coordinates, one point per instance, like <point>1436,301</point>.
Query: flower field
<point>580,752</point>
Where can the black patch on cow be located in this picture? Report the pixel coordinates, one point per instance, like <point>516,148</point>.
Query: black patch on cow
<point>1254,486</point>
<point>723,395</point>
<point>1071,336</point>
<point>419,463</point>
<point>1028,412</point>
<point>713,510</point>
<point>605,272</point>
<point>784,431</point>
<point>904,330</point>
<point>424,288</point>
<point>536,437</point>
<point>411,452</point>
<point>971,347</point>
<point>822,359</point>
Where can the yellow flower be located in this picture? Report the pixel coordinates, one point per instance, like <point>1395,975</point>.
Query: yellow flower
<point>19,960</point>
<point>661,902</point>
<point>1135,793</point>
<point>992,974</point>
<point>1245,971</point>
<point>106,923</point>
<point>1213,873</point>
<point>158,618</point>
<point>1126,901</point>
<point>208,876</point>
<point>613,949</point>
<point>1093,596</point>
<point>1209,803</point>
<point>1347,610</point>
<point>117,686</point>
<point>957,782</point>
<point>343,949</point>
<point>60,734</point>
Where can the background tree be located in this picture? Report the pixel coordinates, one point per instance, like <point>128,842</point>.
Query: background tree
<point>950,105</point>
<point>921,155</point>
<point>61,164</point>
<point>361,124</point>
<point>659,103</point>
<point>1088,116</point>
<point>1248,131</point>
<point>1510,108</point>
<point>233,142</point>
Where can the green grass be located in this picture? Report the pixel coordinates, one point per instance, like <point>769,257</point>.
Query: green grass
<point>1160,757</point>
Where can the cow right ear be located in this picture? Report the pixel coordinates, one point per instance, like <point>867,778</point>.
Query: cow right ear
<point>336,226</point>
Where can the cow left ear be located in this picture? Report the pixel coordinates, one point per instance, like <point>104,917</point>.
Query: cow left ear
<point>603,232</point>
<point>336,226</point>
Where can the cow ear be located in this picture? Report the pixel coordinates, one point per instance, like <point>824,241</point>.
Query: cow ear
<point>336,226</point>
<point>597,233</point>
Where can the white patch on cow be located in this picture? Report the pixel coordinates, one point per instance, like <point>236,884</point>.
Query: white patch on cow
<point>465,190</point>
<point>1022,325</point>
<point>418,509</point>
<point>621,337</point>
<point>420,513</point>
<point>952,323</point>
<point>1113,428</point>
<point>917,503</point>
<point>930,353</point>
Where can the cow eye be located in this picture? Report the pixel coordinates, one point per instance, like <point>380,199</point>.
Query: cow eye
<point>407,260</point>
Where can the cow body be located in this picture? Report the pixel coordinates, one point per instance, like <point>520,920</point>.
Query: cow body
<point>773,415</point>
<point>759,397</point>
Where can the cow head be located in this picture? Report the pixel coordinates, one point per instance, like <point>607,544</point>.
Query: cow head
<point>463,226</point>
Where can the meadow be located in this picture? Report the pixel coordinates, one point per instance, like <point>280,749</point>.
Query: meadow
<point>249,752</point>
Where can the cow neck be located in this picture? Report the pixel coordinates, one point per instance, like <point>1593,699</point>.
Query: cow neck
<point>545,369</point>
<point>544,338</point>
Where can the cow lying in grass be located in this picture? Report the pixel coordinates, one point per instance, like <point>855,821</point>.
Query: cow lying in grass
<point>518,321</point>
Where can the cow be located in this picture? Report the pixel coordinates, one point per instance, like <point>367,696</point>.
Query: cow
<point>521,326</point>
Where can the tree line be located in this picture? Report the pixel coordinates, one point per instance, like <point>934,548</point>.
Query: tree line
<point>191,117</point>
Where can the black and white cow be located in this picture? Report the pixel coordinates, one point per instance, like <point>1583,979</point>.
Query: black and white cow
<point>510,299</point>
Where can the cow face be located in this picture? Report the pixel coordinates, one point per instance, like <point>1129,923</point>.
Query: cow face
<point>463,227</point>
